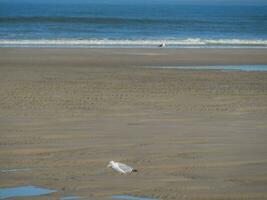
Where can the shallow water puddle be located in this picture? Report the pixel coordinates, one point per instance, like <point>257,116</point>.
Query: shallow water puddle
<point>15,170</point>
<point>126,197</point>
<point>217,67</point>
<point>23,191</point>
<point>70,198</point>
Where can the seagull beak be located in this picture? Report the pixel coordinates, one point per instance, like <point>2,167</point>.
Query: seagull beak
<point>109,165</point>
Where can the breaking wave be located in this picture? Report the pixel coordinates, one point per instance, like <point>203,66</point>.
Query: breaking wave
<point>191,42</point>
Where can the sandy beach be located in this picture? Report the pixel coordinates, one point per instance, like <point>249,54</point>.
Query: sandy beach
<point>192,134</point>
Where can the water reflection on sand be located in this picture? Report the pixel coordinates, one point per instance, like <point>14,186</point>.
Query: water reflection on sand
<point>23,191</point>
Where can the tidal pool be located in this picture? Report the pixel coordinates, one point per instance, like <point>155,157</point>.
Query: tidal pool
<point>126,197</point>
<point>217,67</point>
<point>15,170</point>
<point>70,198</point>
<point>23,191</point>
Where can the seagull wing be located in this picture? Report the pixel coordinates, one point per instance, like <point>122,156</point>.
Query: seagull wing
<point>127,169</point>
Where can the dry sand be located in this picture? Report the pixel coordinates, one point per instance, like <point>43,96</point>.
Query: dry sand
<point>64,113</point>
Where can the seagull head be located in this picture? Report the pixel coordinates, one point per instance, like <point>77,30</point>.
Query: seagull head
<point>110,163</point>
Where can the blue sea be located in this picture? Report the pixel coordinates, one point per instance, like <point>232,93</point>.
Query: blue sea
<point>131,25</point>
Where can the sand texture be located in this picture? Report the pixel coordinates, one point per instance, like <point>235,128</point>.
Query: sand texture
<point>196,135</point>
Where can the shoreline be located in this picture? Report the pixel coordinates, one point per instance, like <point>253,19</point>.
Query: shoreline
<point>136,43</point>
<point>129,47</point>
<point>133,47</point>
<point>137,56</point>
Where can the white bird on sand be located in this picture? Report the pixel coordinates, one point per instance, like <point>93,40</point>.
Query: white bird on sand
<point>162,45</point>
<point>121,168</point>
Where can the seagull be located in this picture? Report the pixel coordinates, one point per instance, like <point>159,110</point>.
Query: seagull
<point>162,45</point>
<point>121,168</point>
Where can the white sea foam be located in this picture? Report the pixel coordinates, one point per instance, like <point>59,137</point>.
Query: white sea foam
<point>133,43</point>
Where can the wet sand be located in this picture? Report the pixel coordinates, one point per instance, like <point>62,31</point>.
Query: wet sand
<point>192,134</point>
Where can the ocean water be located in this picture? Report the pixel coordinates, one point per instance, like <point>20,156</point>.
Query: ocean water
<point>131,25</point>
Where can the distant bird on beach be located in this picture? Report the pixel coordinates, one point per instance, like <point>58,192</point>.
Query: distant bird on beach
<point>162,45</point>
<point>121,168</point>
